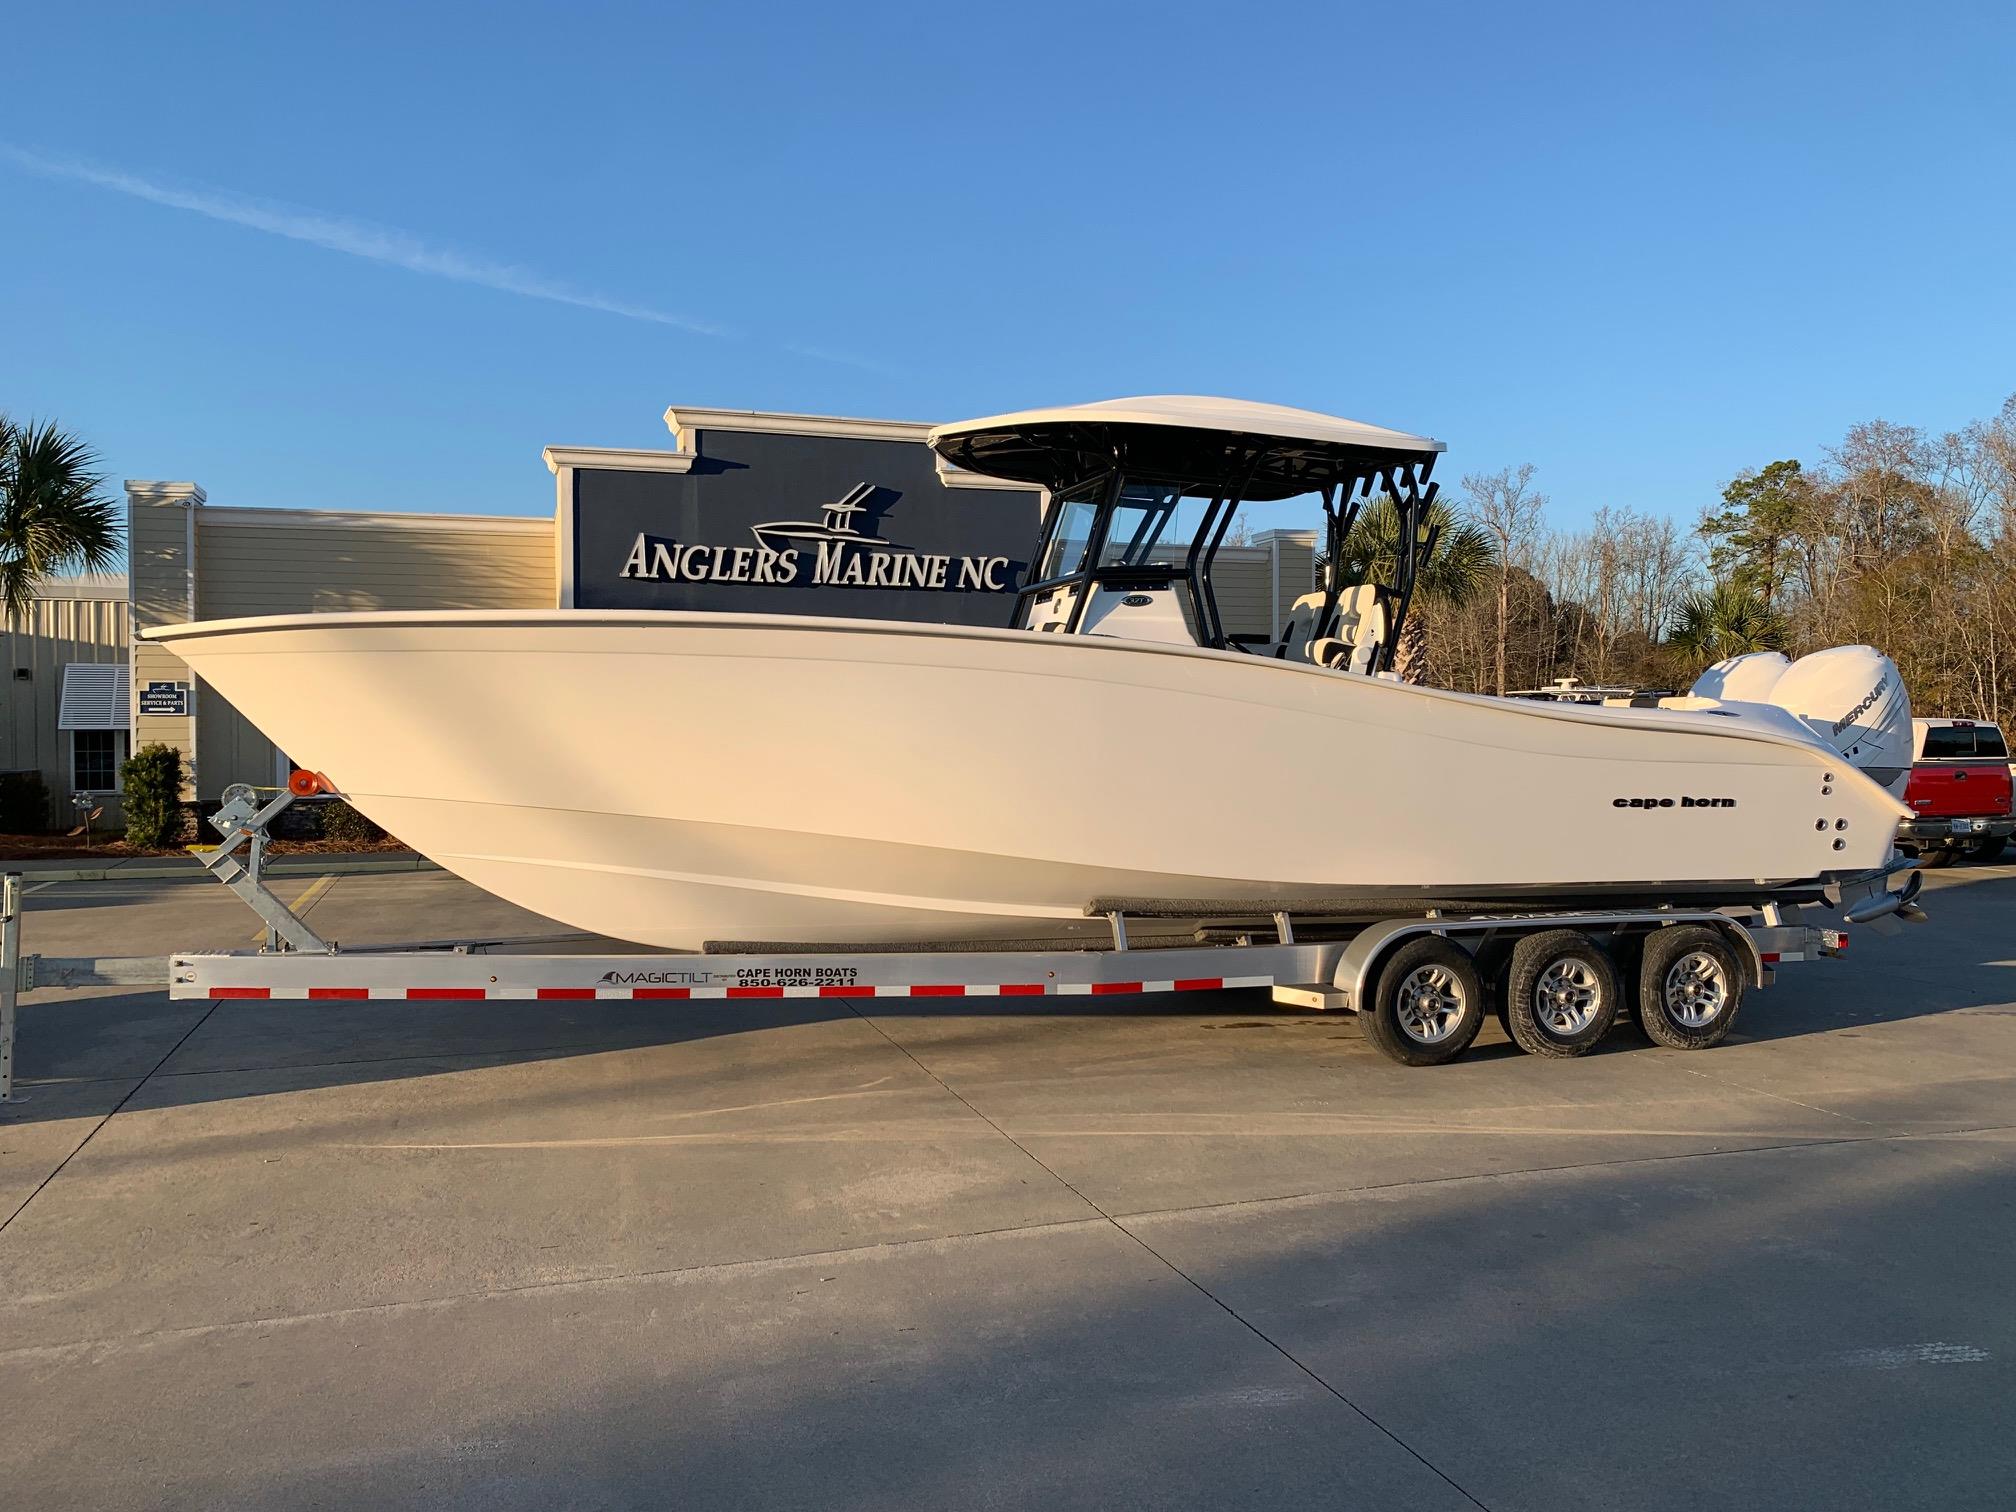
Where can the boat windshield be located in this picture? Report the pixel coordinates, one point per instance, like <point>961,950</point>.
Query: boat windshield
<point>1138,533</point>
<point>1073,529</point>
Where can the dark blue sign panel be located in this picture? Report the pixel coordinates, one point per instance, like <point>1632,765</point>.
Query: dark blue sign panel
<point>802,525</point>
<point>164,698</point>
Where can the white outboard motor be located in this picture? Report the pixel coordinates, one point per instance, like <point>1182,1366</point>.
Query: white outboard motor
<point>1851,697</point>
<point>1742,679</point>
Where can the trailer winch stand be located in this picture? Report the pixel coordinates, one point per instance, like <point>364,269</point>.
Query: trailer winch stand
<point>242,821</point>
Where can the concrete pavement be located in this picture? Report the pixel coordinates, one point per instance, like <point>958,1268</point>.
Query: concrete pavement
<point>1140,1253</point>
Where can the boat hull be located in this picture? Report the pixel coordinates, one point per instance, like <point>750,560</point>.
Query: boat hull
<point>687,779</point>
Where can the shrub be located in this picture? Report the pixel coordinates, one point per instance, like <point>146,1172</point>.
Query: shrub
<point>24,803</point>
<point>342,822</point>
<point>301,822</point>
<point>153,776</point>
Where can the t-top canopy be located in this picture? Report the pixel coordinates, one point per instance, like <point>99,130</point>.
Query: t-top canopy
<point>1270,450</point>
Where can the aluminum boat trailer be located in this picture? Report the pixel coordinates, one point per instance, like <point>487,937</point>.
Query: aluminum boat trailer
<point>1420,983</point>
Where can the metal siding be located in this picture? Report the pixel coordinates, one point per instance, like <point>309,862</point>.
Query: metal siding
<point>157,546</point>
<point>250,569</point>
<point>1298,575</point>
<point>233,749</point>
<point>61,632</point>
<point>1240,579</point>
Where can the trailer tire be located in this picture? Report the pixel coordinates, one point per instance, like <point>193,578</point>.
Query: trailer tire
<point>1561,994</point>
<point>1690,984</point>
<point>1428,1005</point>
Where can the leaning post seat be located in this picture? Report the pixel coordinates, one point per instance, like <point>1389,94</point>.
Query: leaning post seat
<point>1353,637</point>
<point>1361,624</point>
<point>1302,630</point>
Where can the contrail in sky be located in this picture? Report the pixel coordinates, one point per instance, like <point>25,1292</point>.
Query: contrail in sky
<point>845,359</point>
<point>355,238</point>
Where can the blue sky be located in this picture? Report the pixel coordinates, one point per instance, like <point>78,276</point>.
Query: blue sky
<point>378,256</point>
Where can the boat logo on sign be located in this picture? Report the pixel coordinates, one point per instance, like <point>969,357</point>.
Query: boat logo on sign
<point>831,552</point>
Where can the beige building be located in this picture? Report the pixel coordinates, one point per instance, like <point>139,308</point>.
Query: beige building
<point>66,715</point>
<point>190,558</point>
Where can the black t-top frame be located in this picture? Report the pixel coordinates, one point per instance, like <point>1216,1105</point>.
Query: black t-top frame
<point>1228,470</point>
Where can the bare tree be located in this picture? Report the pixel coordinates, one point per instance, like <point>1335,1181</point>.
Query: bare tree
<point>1902,539</point>
<point>1621,580</point>
<point>1507,505</point>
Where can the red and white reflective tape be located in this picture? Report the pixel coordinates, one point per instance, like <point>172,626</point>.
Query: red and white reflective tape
<point>1827,951</point>
<point>696,994</point>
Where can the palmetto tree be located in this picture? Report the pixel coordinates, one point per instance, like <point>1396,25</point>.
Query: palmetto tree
<point>1727,619</point>
<point>52,516</point>
<point>1461,567</point>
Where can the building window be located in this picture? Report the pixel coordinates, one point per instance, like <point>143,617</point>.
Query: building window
<point>95,758</point>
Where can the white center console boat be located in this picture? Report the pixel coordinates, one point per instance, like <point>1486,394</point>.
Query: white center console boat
<point>624,772</point>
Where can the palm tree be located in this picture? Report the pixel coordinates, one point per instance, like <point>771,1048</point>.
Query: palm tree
<point>52,516</point>
<point>1461,567</point>
<point>1726,619</point>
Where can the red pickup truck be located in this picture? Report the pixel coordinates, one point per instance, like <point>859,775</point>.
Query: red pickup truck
<point>1959,791</point>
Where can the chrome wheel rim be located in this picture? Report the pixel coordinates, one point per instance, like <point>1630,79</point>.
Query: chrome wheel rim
<point>1566,997</point>
<point>1430,1004</point>
<point>1697,989</point>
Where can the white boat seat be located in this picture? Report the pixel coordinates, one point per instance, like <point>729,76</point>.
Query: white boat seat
<point>1361,621</point>
<point>1301,631</point>
<point>1330,651</point>
<point>1350,642</point>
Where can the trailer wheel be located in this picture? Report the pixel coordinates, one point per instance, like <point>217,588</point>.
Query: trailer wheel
<point>1561,994</point>
<point>1429,1003</point>
<point>1690,984</point>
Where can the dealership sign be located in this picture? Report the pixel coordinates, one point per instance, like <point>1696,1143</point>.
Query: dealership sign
<point>793,524</point>
<point>833,552</point>
<point>169,698</point>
